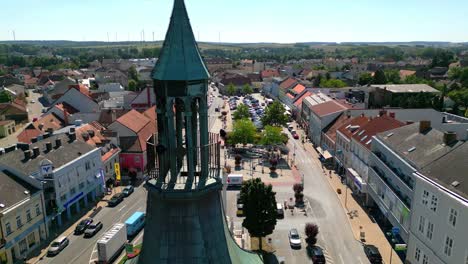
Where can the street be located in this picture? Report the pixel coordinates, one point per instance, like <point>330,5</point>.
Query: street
<point>81,250</point>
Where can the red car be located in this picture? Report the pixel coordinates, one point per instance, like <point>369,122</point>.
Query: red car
<point>295,136</point>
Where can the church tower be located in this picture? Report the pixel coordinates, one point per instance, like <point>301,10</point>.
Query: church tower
<point>185,222</point>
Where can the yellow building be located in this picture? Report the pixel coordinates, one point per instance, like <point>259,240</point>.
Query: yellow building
<point>7,127</point>
<point>21,218</point>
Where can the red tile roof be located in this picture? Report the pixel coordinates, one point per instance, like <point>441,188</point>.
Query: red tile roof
<point>299,88</point>
<point>374,126</point>
<point>342,121</point>
<point>353,126</point>
<point>270,73</point>
<point>151,113</point>
<point>49,121</point>
<point>290,95</point>
<point>298,102</point>
<point>287,83</point>
<point>26,135</point>
<point>93,141</point>
<point>109,154</point>
<point>66,107</point>
<point>134,121</point>
<point>328,108</point>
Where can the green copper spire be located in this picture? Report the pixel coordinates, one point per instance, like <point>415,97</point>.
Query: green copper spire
<point>180,59</point>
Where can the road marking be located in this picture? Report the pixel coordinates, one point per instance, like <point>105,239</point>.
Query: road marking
<point>122,208</point>
<point>341,258</point>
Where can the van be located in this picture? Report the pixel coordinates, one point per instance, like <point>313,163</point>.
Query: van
<point>279,211</point>
<point>234,180</point>
<point>57,245</point>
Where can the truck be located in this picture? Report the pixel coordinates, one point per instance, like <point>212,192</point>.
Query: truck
<point>134,224</point>
<point>234,180</point>
<point>111,243</point>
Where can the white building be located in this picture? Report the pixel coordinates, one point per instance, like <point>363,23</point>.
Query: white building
<point>69,171</point>
<point>439,231</point>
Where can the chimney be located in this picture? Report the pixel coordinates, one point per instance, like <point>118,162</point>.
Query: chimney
<point>22,146</point>
<point>72,136</point>
<point>424,125</point>
<point>48,146</point>
<point>41,126</point>
<point>58,143</point>
<point>85,136</point>
<point>36,152</point>
<point>46,135</point>
<point>444,119</point>
<point>34,140</point>
<point>50,130</point>
<point>450,137</point>
<point>27,155</point>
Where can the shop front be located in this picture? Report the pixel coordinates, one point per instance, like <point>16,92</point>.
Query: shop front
<point>357,185</point>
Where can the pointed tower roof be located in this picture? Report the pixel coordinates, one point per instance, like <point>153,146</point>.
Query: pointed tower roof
<point>180,59</point>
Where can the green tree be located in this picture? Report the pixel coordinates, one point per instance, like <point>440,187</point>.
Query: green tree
<point>132,85</point>
<point>247,89</point>
<point>365,79</point>
<point>275,115</point>
<point>332,83</point>
<point>243,132</point>
<point>242,112</point>
<point>133,74</point>
<point>231,89</point>
<point>379,77</point>
<point>460,97</point>
<point>5,97</point>
<point>273,135</point>
<point>393,76</point>
<point>259,202</point>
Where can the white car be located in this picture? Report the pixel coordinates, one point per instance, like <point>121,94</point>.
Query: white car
<point>294,238</point>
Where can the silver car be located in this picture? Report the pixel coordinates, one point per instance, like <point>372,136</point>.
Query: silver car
<point>294,238</point>
<point>57,245</point>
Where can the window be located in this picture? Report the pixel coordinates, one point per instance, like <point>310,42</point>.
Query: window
<point>417,254</point>
<point>38,211</point>
<point>88,166</point>
<point>23,247</point>
<point>433,206</point>
<point>28,215</point>
<point>448,246</point>
<point>63,198</point>
<point>425,259</point>
<point>82,185</point>
<point>425,197</point>
<point>18,221</point>
<point>422,223</point>
<point>453,218</point>
<point>8,229</point>
<point>430,229</point>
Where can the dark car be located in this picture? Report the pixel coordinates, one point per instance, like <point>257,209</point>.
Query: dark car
<point>93,229</point>
<point>116,199</point>
<point>373,254</point>
<point>240,210</point>
<point>81,227</point>
<point>128,190</point>
<point>317,255</point>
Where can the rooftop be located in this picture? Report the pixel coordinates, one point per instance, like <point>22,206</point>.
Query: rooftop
<point>419,149</point>
<point>407,88</point>
<point>453,177</point>
<point>13,190</point>
<point>375,125</point>
<point>328,108</point>
<point>69,151</point>
<point>133,120</point>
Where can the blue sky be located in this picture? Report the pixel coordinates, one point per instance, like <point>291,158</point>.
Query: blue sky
<point>280,21</point>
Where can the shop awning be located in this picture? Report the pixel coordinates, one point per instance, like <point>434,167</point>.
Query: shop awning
<point>327,155</point>
<point>320,150</point>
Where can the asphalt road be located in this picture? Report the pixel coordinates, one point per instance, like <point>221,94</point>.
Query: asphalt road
<point>83,251</point>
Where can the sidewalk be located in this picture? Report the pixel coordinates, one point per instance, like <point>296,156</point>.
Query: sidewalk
<point>69,230</point>
<point>373,234</point>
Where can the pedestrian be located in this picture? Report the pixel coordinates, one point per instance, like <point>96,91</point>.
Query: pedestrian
<point>329,173</point>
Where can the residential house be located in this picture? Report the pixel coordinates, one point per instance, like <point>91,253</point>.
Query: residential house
<point>14,111</point>
<point>321,115</point>
<point>17,90</point>
<point>308,103</point>
<point>133,130</point>
<point>406,73</point>
<point>402,95</point>
<point>269,74</point>
<point>54,90</point>
<point>329,134</point>
<point>35,130</point>
<point>93,134</point>
<point>439,213</point>
<point>69,171</point>
<point>216,64</point>
<point>140,101</point>
<point>236,79</point>
<point>7,127</point>
<point>357,172</point>
<point>110,87</point>
<point>396,155</point>
<point>22,219</point>
<point>108,75</point>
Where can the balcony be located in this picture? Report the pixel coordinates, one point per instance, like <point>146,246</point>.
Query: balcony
<point>404,198</point>
<point>402,179</point>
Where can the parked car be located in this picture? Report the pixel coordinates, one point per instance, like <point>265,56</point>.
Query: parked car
<point>57,245</point>
<point>373,254</point>
<point>294,238</point>
<point>295,136</point>
<point>93,229</point>
<point>115,200</point>
<point>81,227</point>
<point>317,255</point>
<point>128,190</point>
<point>33,101</point>
<point>240,210</point>
<point>279,211</point>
